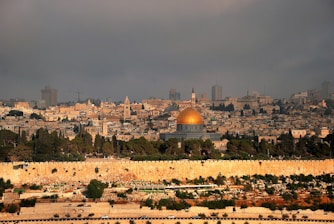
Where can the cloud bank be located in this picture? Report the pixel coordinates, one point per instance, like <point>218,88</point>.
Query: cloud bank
<point>143,48</point>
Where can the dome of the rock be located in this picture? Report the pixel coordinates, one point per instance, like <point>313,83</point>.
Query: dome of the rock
<point>189,116</point>
<point>190,125</point>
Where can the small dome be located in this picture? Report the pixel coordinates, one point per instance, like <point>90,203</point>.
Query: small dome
<point>189,116</point>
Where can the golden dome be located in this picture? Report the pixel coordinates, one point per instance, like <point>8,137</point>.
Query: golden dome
<point>189,116</point>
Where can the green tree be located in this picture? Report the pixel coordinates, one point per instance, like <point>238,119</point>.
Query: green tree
<point>139,146</point>
<point>36,116</point>
<point>95,189</point>
<point>220,180</point>
<point>229,107</point>
<point>286,146</point>
<point>21,152</point>
<point>287,196</point>
<point>4,185</point>
<point>108,148</point>
<point>172,147</point>
<point>98,143</point>
<point>7,141</point>
<point>83,142</point>
<point>246,107</point>
<point>28,202</point>
<point>12,208</point>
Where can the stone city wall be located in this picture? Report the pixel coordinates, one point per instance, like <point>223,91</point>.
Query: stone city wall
<point>115,170</point>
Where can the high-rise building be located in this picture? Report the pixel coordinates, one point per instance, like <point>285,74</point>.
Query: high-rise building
<point>217,92</point>
<point>326,89</point>
<point>174,95</point>
<point>50,96</point>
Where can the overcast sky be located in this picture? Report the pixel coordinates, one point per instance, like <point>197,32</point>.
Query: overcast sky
<point>143,48</point>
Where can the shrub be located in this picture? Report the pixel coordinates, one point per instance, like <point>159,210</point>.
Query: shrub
<point>129,191</point>
<point>243,206</point>
<point>202,215</point>
<point>35,187</point>
<point>95,189</point>
<point>111,202</point>
<point>214,214</point>
<point>28,202</point>
<point>12,208</point>
<point>219,204</point>
<point>121,195</point>
<point>271,205</point>
<point>285,216</point>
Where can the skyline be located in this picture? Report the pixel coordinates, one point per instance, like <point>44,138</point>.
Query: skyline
<point>112,49</point>
<point>188,96</point>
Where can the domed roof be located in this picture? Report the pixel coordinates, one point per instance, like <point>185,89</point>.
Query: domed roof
<point>189,116</point>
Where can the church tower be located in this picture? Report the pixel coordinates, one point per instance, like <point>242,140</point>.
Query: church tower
<point>127,112</point>
<point>193,98</point>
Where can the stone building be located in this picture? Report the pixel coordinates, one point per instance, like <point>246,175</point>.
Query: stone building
<point>190,126</point>
<point>127,110</point>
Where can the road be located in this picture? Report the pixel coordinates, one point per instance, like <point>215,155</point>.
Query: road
<point>171,219</point>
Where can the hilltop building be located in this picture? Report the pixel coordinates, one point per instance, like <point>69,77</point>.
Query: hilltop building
<point>190,126</point>
<point>193,97</point>
<point>127,110</point>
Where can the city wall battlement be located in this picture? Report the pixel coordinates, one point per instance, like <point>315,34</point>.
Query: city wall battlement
<point>120,170</point>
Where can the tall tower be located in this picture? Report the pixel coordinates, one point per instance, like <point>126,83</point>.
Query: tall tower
<point>174,95</point>
<point>326,89</point>
<point>127,112</point>
<point>193,97</point>
<point>216,93</point>
<point>49,95</point>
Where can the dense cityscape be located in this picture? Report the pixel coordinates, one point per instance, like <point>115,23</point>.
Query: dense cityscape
<point>166,112</point>
<point>253,127</point>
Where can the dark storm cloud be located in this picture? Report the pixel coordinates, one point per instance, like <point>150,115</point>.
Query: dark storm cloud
<point>144,48</point>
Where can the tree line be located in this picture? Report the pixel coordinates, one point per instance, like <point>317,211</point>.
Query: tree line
<point>246,147</point>
<point>46,146</point>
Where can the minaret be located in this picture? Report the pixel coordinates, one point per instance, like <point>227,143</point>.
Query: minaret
<point>193,98</point>
<point>127,112</point>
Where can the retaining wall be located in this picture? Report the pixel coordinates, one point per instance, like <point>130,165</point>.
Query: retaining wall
<point>113,170</point>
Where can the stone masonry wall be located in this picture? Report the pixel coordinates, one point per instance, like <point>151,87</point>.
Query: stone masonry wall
<point>114,170</point>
